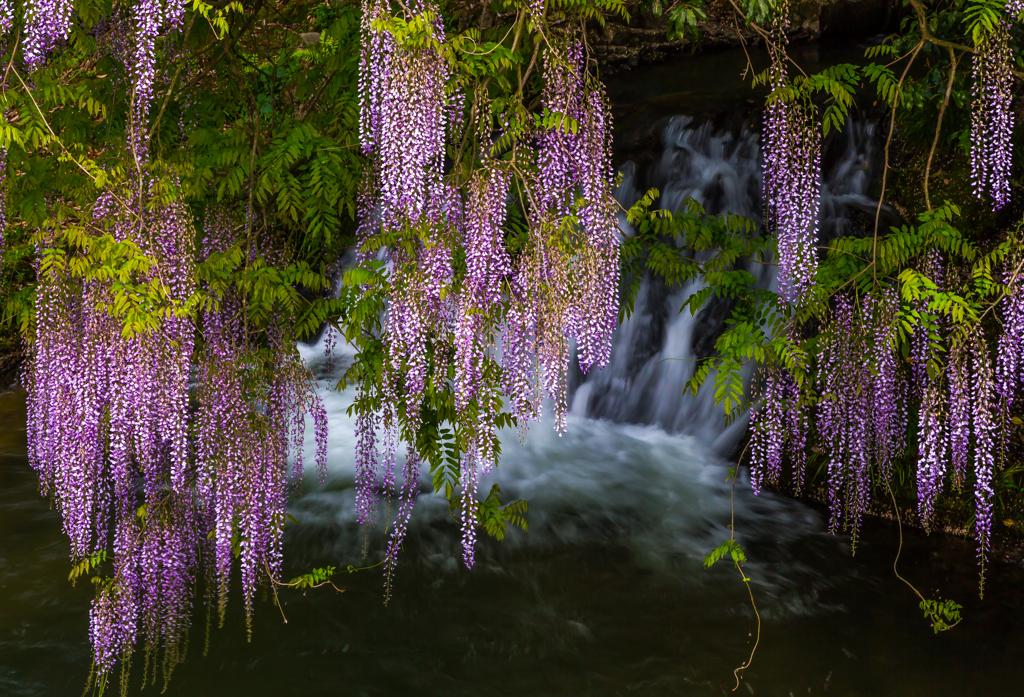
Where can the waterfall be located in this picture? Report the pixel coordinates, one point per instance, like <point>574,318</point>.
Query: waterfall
<point>654,350</point>
<point>641,465</point>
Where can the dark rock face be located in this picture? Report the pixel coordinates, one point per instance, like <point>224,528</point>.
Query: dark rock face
<point>621,46</point>
<point>842,18</point>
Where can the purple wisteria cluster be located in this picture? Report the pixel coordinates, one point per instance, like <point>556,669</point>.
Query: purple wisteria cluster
<point>6,16</point>
<point>170,451</point>
<point>932,440</point>
<point>1010,351</point>
<point>148,16</point>
<point>992,117</point>
<point>47,24</point>
<point>970,432</point>
<point>860,420</point>
<point>250,422</point>
<point>960,405</point>
<point>792,164</point>
<point>3,204</point>
<point>503,327</point>
<point>403,121</point>
<point>778,427</point>
<point>984,427</point>
<point>6,24</point>
<point>861,417</point>
<point>111,420</point>
<point>566,284</point>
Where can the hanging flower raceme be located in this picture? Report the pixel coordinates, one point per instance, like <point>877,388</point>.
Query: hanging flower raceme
<point>792,163</point>
<point>931,462</point>
<point>959,427</point>
<point>500,331</point>
<point>888,398</point>
<point>487,266</point>
<point>403,115</point>
<point>47,23</point>
<point>1010,352</point>
<point>970,430</point>
<point>111,414</point>
<point>108,408</point>
<point>992,117</point>
<point>6,17</point>
<point>983,398</point>
<point>567,283</point>
<point>932,438</point>
<point>250,400</point>
<point>402,127</point>
<point>403,120</point>
<point>6,23</point>
<point>596,308</point>
<point>842,423</point>
<point>860,421</point>
<point>3,204</point>
<point>147,18</point>
<point>778,427</point>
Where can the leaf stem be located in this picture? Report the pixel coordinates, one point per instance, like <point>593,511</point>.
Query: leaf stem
<point>938,125</point>
<point>746,579</point>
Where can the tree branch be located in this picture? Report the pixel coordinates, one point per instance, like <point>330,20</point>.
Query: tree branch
<point>885,168</point>
<point>938,126</point>
<point>926,35</point>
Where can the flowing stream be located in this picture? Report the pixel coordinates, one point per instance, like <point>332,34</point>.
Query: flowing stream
<point>605,594</point>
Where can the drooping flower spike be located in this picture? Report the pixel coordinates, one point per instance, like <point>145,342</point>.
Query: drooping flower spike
<point>111,417</point>
<point>562,288</point>
<point>792,163</point>
<point>992,117</point>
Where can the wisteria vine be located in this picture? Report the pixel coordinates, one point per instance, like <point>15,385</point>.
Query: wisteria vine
<point>502,325</point>
<point>861,419</point>
<point>992,116</point>
<point>792,163</point>
<point>170,448</point>
<point>171,451</point>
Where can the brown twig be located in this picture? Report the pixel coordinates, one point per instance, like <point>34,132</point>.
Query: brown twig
<point>14,52</point>
<point>749,68</point>
<point>529,68</point>
<point>926,35</point>
<point>766,36</point>
<point>899,549</point>
<point>885,168</point>
<point>746,580</point>
<point>899,527</point>
<point>938,126</point>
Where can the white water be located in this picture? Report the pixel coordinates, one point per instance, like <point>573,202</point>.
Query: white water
<point>654,351</point>
<point>641,465</point>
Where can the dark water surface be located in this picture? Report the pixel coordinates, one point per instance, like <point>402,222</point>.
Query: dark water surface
<point>606,594</point>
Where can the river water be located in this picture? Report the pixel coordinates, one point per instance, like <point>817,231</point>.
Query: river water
<point>606,593</point>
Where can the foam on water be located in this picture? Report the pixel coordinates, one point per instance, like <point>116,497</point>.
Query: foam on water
<point>641,466</point>
<point>661,497</point>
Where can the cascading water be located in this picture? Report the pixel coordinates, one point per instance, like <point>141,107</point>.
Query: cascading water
<point>640,462</point>
<point>654,350</point>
